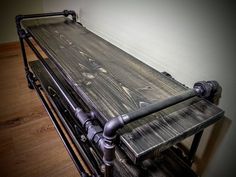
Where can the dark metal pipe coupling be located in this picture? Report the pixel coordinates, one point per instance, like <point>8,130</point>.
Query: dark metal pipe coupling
<point>112,126</point>
<point>108,152</point>
<point>207,89</point>
<point>70,12</point>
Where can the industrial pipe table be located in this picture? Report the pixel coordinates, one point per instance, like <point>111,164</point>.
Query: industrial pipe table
<point>122,116</point>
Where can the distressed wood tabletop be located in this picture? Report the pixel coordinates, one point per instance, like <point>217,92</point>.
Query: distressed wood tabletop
<point>112,82</point>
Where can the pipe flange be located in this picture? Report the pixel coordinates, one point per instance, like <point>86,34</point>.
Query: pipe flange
<point>203,89</point>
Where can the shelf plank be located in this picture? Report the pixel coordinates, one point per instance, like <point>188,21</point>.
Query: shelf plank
<point>112,82</point>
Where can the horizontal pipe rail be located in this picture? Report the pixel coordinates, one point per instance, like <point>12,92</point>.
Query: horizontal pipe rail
<point>116,123</point>
<point>78,112</point>
<point>65,13</point>
<point>57,82</point>
<point>60,132</point>
<point>80,146</point>
<point>157,106</point>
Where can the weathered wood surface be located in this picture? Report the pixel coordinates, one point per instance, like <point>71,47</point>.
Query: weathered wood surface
<point>109,79</point>
<point>166,165</point>
<point>111,82</point>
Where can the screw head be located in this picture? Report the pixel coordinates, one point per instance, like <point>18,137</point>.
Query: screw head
<point>102,168</point>
<point>83,138</point>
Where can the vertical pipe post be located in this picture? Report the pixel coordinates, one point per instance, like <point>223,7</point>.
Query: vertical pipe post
<point>194,147</point>
<point>24,57</point>
<point>210,90</point>
<point>24,54</point>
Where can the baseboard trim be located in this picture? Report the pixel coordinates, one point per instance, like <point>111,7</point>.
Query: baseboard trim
<point>9,46</point>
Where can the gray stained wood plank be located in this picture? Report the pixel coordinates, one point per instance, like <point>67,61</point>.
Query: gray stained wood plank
<point>165,165</point>
<point>112,82</point>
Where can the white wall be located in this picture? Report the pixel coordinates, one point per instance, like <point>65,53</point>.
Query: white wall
<point>8,10</point>
<point>191,40</point>
<point>60,5</point>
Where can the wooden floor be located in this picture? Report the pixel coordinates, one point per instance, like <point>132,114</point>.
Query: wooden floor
<point>29,144</point>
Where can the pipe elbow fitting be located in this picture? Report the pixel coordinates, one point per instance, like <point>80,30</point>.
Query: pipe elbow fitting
<point>111,127</point>
<point>18,18</point>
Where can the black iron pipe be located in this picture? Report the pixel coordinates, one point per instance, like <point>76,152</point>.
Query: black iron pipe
<point>60,132</point>
<point>23,54</point>
<point>201,89</point>
<point>194,147</point>
<point>116,123</point>
<point>84,152</point>
<point>22,34</point>
<point>111,127</point>
<point>57,82</point>
<point>149,109</point>
<point>93,131</point>
<point>65,13</point>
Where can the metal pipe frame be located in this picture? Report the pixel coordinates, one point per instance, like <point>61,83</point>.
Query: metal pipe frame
<point>116,123</point>
<point>75,132</point>
<point>78,112</point>
<point>65,13</point>
<point>103,138</point>
<point>60,132</point>
<point>32,80</point>
<point>21,34</point>
<point>201,89</point>
<point>194,147</point>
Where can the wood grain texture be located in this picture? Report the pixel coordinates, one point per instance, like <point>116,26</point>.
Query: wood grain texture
<point>111,82</point>
<point>165,165</point>
<point>29,144</point>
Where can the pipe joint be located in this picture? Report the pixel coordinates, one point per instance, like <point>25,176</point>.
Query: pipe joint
<point>108,152</point>
<point>112,126</point>
<point>83,118</point>
<point>22,33</point>
<point>70,12</point>
<point>210,90</point>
